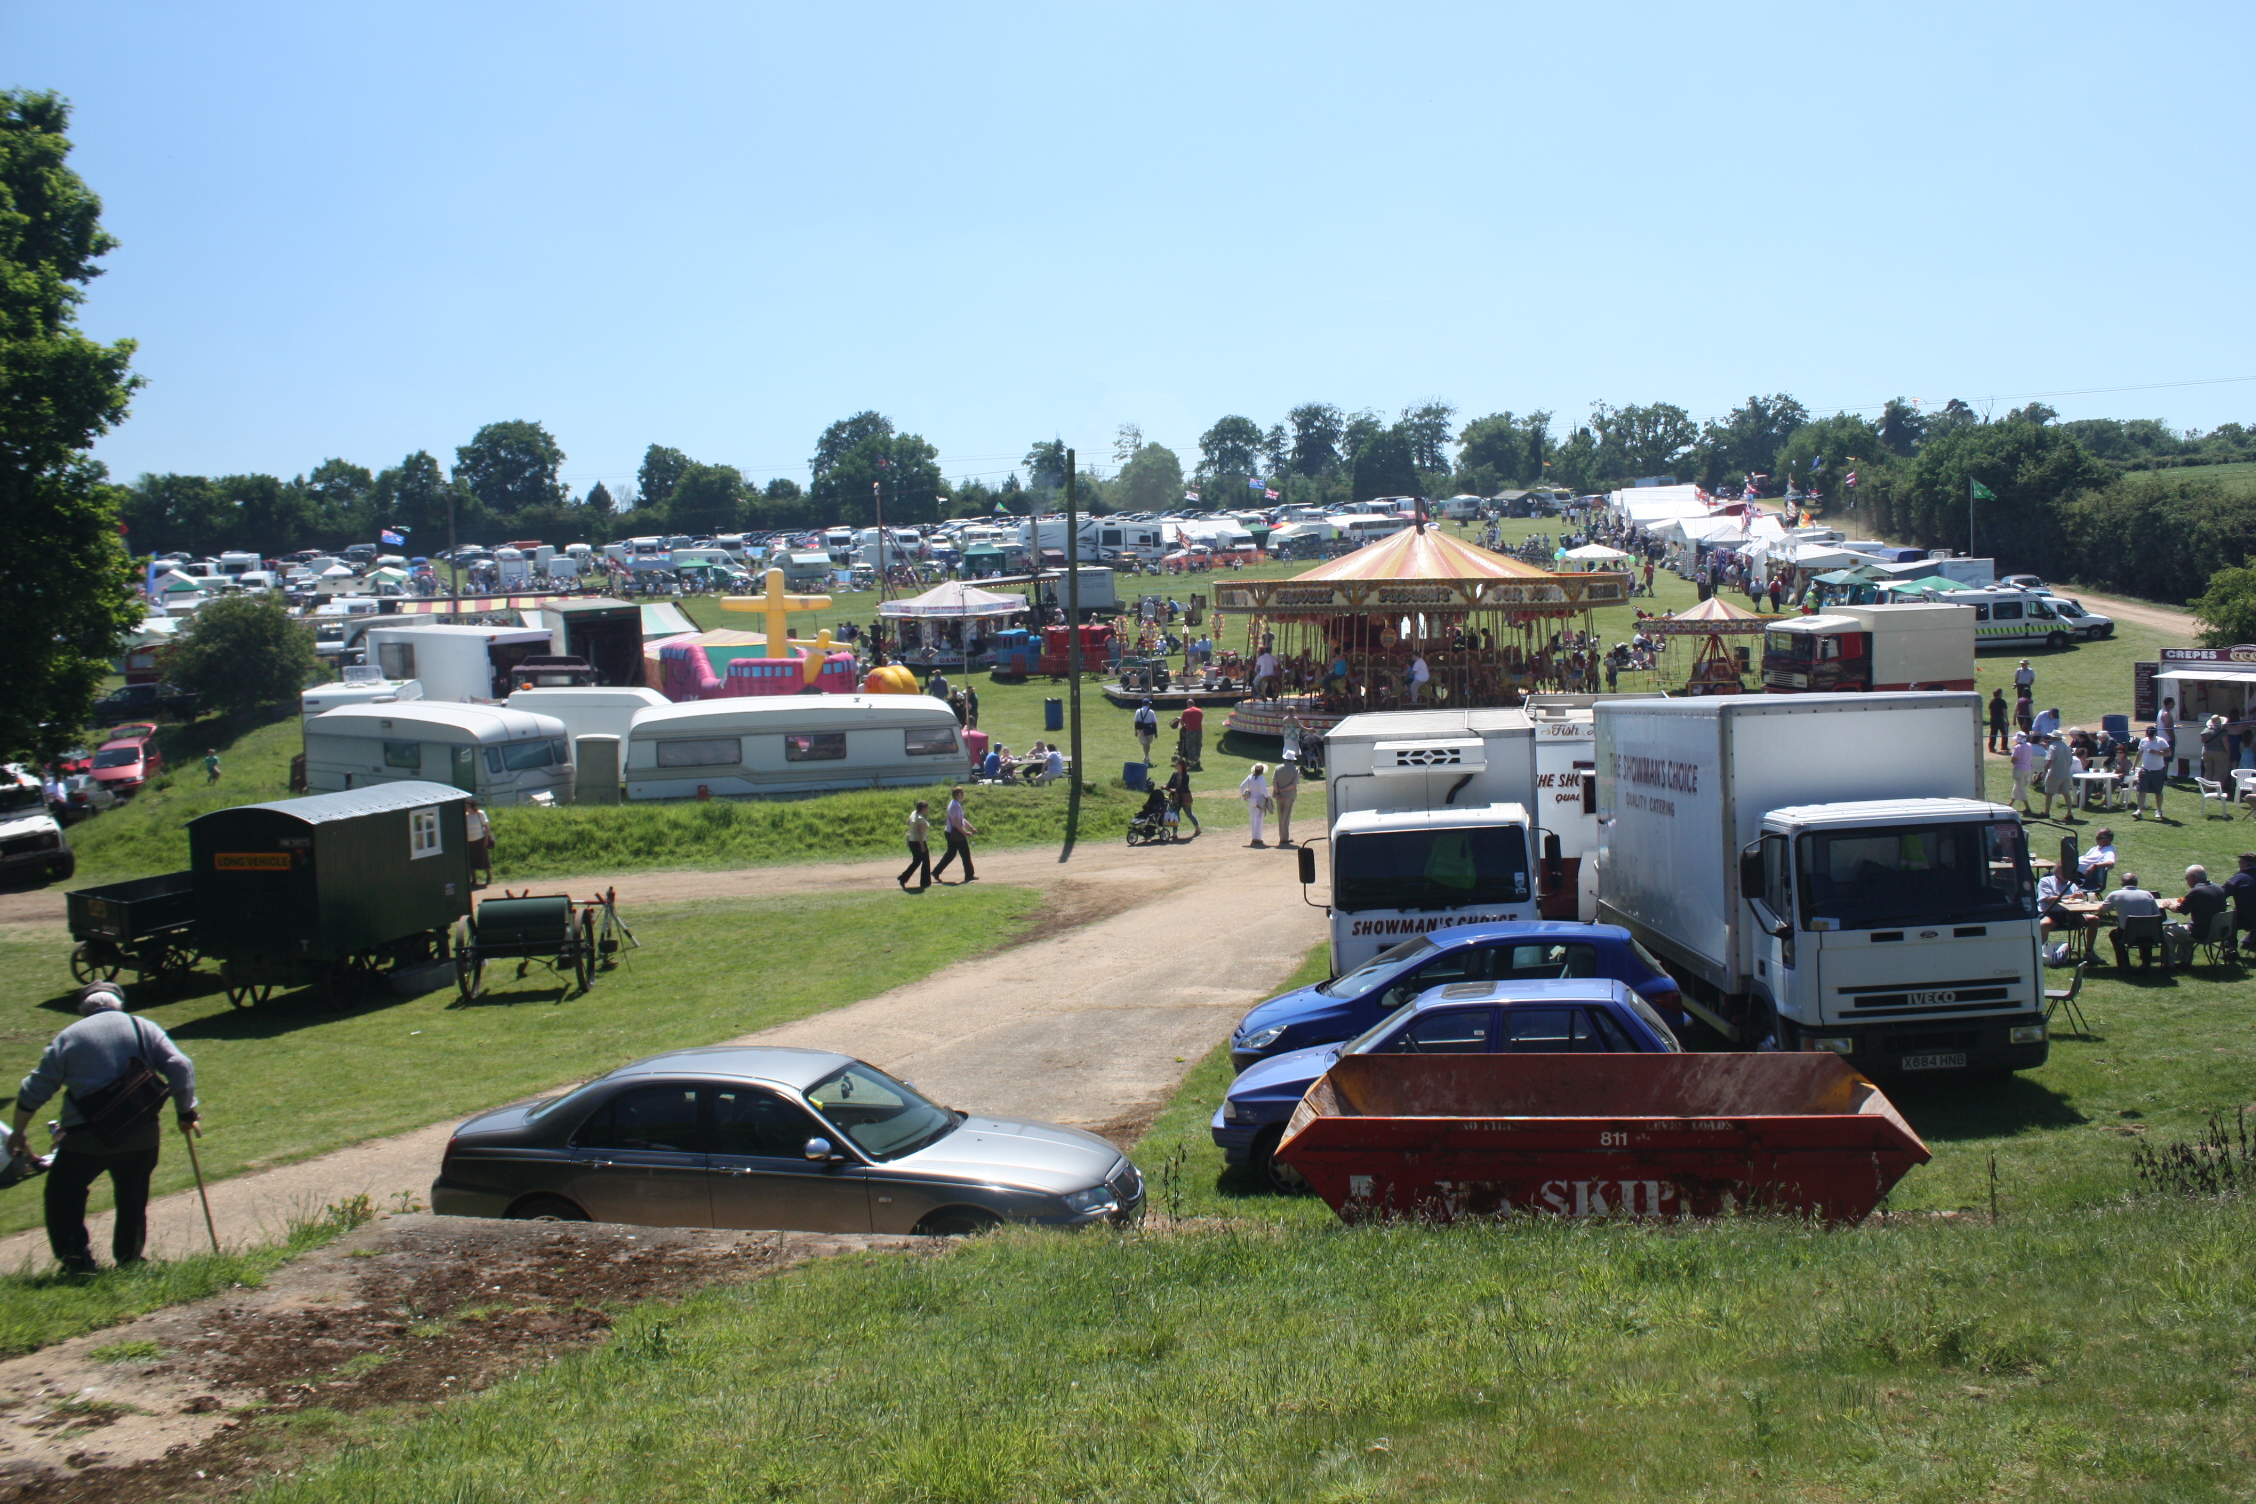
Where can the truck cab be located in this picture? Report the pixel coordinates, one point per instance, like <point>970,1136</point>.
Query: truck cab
<point>1899,934</point>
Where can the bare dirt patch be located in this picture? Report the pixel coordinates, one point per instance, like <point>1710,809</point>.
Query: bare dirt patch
<point>194,1402</point>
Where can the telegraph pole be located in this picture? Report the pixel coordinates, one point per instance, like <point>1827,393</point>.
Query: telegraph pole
<point>1072,658</point>
<point>877,505</point>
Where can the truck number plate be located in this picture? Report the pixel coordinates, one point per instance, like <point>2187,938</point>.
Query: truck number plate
<point>1934,1062</point>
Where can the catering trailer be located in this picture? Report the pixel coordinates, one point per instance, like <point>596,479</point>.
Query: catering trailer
<point>1871,648</point>
<point>1823,872</point>
<point>793,744</point>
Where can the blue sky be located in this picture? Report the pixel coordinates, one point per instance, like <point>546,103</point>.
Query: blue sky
<point>362,230</point>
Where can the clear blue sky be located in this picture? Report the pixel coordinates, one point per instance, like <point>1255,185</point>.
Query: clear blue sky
<point>361,230</point>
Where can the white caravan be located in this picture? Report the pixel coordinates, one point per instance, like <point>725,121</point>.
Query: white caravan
<point>501,755</point>
<point>795,744</point>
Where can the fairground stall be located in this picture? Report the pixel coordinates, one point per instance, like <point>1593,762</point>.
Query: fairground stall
<point>949,625</point>
<point>1728,637</point>
<point>1464,627</point>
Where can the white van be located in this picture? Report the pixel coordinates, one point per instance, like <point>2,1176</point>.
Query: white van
<point>2027,618</point>
<point>796,744</point>
<point>503,756</point>
<point>236,564</point>
<point>591,710</point>
<point>1365,529</point>
<point>454,663</point>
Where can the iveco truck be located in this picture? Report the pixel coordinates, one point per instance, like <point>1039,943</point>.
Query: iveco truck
<point>1429,826</point>
<point>1823,872</point>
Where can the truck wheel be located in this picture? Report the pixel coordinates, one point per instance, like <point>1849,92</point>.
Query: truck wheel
<point>2056,640</point>
<point>1281,1178</point>
<point>1762,1027</point>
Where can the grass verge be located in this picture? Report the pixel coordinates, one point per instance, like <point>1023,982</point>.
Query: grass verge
<point>291,1079</point>
<point>39,1310</point>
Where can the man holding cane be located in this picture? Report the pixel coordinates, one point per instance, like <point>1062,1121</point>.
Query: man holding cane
<point>116,1072</point>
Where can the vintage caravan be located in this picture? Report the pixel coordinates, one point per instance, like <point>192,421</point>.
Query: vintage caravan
<point>503,756</point>
<point>455,663</point>
<point>796,744</point>
<point>360,686</point>
<point>595,710</point>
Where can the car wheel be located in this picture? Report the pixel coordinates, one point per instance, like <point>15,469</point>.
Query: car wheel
<point>1281,1178</point>
<point>545,1209</point>
<point>62,871</point>
<point>2056,640</point>
<point>958,1222</point>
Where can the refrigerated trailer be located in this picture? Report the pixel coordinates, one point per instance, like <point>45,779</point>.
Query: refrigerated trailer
<point>1823,872</point>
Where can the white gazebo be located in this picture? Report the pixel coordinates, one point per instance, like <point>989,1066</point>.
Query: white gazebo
<point>1592,557</point>
<point>938,627</point>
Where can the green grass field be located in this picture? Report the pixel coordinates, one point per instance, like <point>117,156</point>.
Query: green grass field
<point>291,1079</point>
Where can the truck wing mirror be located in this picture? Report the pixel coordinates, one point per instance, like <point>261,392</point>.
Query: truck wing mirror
<point>1751,870</point>
<point>1307,867</point>
<point>2070,858</point>
<point>1551,869</point>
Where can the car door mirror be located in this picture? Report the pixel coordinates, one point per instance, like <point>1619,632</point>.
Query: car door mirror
<point>818,1149</point>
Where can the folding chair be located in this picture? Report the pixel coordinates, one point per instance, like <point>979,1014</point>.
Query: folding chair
<point>2144,929</point>
<point>2211,789</point>
<point>2063,1002</point>
<point>2219,937</point>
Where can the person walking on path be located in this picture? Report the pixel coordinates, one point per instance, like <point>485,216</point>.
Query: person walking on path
<point>478,831</point>
<point>106,1048</point>
<point>920,846</point>
<point>1179,798</point>
<point>1255,792</point>
<point>960,830</point>
<point>1998,716</point>
<point>1284,787</point>
<point>1190,729</point>
<point>2024,763</point>
<point>211,766</point>
<point>2025,681</point>
<point>1147,728</point>
<point>2154,769</point>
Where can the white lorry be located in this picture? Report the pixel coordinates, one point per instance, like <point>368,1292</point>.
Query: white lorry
<point>1566,795</point>
<point>1429,826</point>
<point>1821,872</point>
<point>1911,646</point>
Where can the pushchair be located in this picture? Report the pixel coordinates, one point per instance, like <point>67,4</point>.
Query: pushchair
<point>1149,825</point>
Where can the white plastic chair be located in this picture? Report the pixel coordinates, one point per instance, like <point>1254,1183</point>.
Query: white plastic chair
<point>2211,789</point>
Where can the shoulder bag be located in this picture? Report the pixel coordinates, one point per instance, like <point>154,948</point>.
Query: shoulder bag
<point>113,1111</point>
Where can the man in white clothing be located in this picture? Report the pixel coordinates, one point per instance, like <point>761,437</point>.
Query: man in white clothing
<point>1419,674</point>
<point>2154,768</point>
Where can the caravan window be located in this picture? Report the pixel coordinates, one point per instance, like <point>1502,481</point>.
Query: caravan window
<point>519,757</point>
<point>815,746</point>
<point>407,755</point>
<point>928,741</point>
<point>423,832</point>
<point>704,752</point>
<point>397,659</point>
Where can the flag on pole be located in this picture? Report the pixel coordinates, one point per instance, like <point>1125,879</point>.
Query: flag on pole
<point>1976,491</point>
<point>395,539</point>
<point>1268,495</point>
<point>1851,480</point>
<point>1190,495</point>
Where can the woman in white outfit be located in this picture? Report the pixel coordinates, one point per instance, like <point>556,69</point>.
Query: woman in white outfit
<point>1255,792</point>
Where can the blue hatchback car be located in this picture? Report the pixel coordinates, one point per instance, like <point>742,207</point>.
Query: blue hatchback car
<point>1523,951</point>
<point>1588,1015</point>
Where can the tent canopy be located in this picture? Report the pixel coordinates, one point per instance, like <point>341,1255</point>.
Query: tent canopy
<point>1715,614</point>
<point>954,599</point>
<point>1932,582</point>
<point>1845,577</point>
<point>1594,551</point>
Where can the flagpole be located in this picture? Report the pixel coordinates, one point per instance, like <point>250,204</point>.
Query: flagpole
<point>1970,484</point>
<point>1072,661</point>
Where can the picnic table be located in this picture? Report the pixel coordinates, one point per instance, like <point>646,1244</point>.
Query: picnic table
<point>2083,909</point>
<point>2094,788</point>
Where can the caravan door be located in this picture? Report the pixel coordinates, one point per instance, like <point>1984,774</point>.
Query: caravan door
<point>462,771</point>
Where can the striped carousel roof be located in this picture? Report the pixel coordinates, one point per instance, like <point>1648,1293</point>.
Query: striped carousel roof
<point>1424,554</point>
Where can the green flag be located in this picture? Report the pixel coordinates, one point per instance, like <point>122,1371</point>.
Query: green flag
<point>1978,491</point>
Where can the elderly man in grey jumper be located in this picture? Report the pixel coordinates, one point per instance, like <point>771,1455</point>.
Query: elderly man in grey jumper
<point>99,1051</point>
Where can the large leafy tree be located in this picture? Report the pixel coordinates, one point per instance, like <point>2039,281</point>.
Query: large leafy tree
<point>1151,481</point>
<point>1045,467</point>
<point>662,470</point>
<point>1317,428</point>
<point>511,468</point>
<point>1387,465</point>
<point>244,652</point>
<point>336,502</point>
<point>707,499</point>
<point>866,450</point>
<point>1427,426</point>
<point>164,513</point>
<point>415,494</point>
<point>1901,428</point>
<point>1503,449</point>
<point>2227,609</point>
<point>65,580</point>
<point>1232,447</point>
<point>841,437</point>
<point>1748,441</point>
<point>1638,441</point>
<point>2034,473</point>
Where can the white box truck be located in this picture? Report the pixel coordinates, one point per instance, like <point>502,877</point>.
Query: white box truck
<point>1916,646</point>
<point>1566,795</point>
<point>1822,872</point>
<point>1429,826</point>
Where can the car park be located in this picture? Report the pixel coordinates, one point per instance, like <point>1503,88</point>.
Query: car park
<point>123,766</point>
<point>808,1140</point>
<point>1526,950</point>
<point>1583,1015</point>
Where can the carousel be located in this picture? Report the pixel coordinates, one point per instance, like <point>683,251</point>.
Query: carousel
<point>1349,634</point>
<point>1720,666</point>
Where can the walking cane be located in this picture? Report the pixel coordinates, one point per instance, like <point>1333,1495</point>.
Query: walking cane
<point>188,1135</point>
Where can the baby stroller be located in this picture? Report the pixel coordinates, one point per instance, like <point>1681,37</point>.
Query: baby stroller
<point>1149,826</point>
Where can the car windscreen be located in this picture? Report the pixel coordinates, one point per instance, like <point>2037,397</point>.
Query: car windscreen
<point>1960,872</point>
<point>1429,869</point>
<point>117,757</point>
<point>1380,969</point>
<point>885,1118</point>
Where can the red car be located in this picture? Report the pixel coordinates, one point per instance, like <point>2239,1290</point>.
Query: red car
<point>123,766</point>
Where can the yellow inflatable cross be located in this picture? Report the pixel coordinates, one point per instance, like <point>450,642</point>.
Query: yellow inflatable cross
<point>776,606</point>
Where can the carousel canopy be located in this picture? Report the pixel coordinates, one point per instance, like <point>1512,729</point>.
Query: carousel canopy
<point>1715,614</point>
<point>952,600</point>
<point>1427,555</point>
<point>1423,570</point>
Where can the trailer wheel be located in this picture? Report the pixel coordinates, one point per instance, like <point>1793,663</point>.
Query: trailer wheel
<point>1281,1178</point>
<point>584,962</point>
<point>247,996</point>
<point>85,968</point>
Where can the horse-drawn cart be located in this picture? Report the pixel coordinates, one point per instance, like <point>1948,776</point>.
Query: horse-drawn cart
<point>148,924</point>
<point>571,939</point>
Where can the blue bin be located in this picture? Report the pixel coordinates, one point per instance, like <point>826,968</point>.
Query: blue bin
<point>1135,774</point>
<point>2117,726</point>
<point>1053,715</point>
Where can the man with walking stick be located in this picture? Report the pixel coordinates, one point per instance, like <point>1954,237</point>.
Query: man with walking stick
<point>116,1072</point>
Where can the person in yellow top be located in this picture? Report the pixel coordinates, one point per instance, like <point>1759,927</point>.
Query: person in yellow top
<point>920,847</point>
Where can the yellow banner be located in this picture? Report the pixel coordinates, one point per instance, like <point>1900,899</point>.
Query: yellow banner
<point>251,861</point>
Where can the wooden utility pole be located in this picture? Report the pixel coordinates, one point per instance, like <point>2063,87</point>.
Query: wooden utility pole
<point>1072,658</point>
<point>877,505</point>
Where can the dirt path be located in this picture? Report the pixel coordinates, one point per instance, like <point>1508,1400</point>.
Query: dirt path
<point>2145,613</point>
<point>1139,963</point>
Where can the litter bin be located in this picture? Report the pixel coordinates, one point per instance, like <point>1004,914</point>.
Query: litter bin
<point>1135,774</point>
<point>2117,726</point>
<point>1053,715</point>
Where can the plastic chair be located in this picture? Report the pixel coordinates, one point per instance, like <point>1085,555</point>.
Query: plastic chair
<point>2063,1001</point>
<point>2211,789</point>
<point>2143,929</point>
<point>2219,938</point>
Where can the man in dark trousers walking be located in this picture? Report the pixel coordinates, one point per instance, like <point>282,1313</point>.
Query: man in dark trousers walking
<point>960,830</point>
<point>100,1051</point>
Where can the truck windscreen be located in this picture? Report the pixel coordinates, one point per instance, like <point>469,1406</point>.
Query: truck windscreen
<point>1915,874</point>
<point>1797,645</point>
<point>1429,869</point>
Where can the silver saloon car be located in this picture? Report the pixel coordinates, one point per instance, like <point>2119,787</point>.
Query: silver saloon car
<point>776,1138</point>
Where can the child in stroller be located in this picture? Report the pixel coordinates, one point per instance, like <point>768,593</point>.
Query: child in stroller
<point>1150,825</point>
